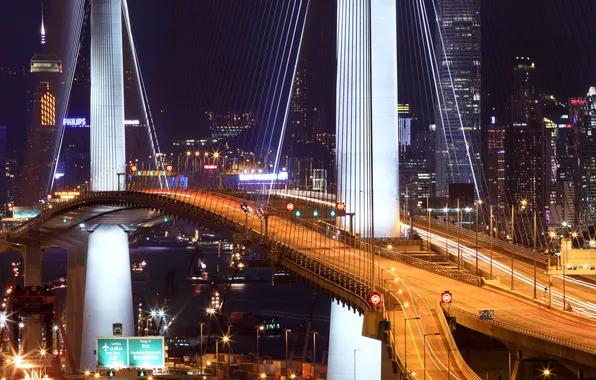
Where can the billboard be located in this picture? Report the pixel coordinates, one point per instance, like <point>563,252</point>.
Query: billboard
<point>131,352</point>
<point>25,212</point>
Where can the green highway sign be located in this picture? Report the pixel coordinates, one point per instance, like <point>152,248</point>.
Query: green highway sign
<point>131,352</point>
<point>112,352</point>
<point>146,352</point>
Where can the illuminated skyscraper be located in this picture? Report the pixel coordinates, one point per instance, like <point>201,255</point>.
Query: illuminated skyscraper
<point>42,133</point>
<point>457,45</point>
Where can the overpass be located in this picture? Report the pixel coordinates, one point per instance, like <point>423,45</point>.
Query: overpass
<point>412,287</point>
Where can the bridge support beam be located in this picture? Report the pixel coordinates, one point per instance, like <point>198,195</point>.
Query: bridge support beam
<point>108,289</point>
<point>351,356</point>
<point>75,298</point>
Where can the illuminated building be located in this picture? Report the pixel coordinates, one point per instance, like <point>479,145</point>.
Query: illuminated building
<point>42,134</point>
<point>526,176</point>
<point>457,45</point>
<point>405,126</point>
<point>496,163</point>
<point>5,173</point>
<point>229,124</point>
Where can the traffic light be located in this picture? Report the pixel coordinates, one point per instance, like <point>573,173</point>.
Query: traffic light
<point>298,213</point>
<point>142,373</point>
<point>111,373</point>
<point>165,219</point>
<point>340,206</point>
<point>315,213</point>
<point>290,206</point>
<point>134,168</point>
<point>169,168</point>
<point>332,213</point>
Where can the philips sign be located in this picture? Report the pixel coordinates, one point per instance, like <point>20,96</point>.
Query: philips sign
<point>75,122</point>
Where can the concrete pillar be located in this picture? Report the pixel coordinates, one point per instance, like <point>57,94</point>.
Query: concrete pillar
<point>32,256</point>
<point>75,297</point>
<point>108,289</point>
<point>349,350</point>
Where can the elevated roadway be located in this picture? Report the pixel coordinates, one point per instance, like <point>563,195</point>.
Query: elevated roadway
<point>415,291</point>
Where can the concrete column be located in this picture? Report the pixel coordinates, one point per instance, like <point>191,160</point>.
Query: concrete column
<point>32,256</point>
<point>346,343</point>
<point>75,297</point>
<point>108,289</point>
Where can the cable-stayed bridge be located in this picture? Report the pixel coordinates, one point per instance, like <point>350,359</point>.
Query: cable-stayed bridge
<point>349,257</point>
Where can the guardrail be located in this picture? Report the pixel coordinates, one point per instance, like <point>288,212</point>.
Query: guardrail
<point>521,330</point>
<point>485,239</point>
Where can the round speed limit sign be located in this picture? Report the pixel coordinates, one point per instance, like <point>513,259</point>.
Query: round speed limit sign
<point>446,297</point>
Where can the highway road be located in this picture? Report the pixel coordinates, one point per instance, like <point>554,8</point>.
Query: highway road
<point>421,289</point>
<point>579,293</point>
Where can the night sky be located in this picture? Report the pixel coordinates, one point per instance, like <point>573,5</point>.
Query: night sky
<point>208,54</point>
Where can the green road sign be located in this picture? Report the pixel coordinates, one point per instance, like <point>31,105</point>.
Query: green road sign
<point>146,352</point>
<point>112,352</point>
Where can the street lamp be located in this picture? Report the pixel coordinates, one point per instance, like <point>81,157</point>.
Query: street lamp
<point>356,349</point>
<point>406,341</point>
<point>425,335</point>
<point>260,328</point>
<point>287,331</point>
<point>314,351</point>
<point>478,204</point>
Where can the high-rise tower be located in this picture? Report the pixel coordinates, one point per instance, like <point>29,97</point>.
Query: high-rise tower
<point>42,133</point>
<point>457,45</point>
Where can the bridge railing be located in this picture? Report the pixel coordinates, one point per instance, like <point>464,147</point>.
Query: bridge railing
<point>485,239</point>
<point>453,310</point>
<point>373,250</point>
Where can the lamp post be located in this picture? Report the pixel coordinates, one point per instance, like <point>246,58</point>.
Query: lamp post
<point>260,328</point>
<point>287,331</point>
<point>406,341</point>
<point>429,231</point>
<point>478,204</point>
<point>449,363</point>
<point>202,370</point>
<point>534,246</point>
<point>553,235</point>
<point>226,339</point>
<point>491,240</point>
<point>314,352</point>
<point>425,335</point>
<point>446,209</point>
<point>356,349</point>
<point>512,241</point>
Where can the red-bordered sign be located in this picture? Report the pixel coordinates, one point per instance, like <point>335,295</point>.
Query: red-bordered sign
<point>290,206</point>
<point>446,297</point>
<point>375,299</point>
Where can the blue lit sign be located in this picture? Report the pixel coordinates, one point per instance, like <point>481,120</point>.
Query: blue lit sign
<point>75,122</point>
<point>281,176</point>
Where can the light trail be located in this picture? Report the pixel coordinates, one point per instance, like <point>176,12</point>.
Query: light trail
<point>469,255</point>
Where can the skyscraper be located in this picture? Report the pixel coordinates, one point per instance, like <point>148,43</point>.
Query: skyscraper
<point>42,134</point>
<point>457,46</point>
<point>525,141</point>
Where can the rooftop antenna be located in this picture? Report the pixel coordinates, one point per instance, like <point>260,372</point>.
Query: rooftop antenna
<point>43,28</point>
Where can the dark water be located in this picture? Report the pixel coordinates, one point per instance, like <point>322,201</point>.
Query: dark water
<point>188,307</point>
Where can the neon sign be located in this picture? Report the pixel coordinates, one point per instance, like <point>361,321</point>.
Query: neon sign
<point>281,176</point>
<point>75,122</point>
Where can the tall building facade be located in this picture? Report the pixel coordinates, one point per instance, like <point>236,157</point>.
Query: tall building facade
<point>42,134</point>
<point>495,170</point>
<point>526,161</point>
<point>227,125</point>
<point>457,115</point>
